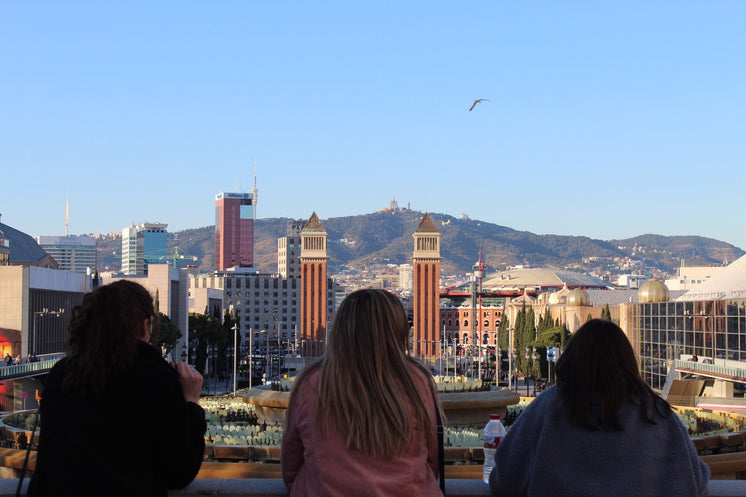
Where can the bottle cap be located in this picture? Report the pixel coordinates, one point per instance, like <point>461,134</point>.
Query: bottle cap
<point>494,416</point>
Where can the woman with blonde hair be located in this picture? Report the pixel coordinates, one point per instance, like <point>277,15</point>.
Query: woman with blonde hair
<point>363,419</point>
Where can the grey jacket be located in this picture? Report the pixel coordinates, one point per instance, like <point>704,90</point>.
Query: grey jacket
<point>545,454</point>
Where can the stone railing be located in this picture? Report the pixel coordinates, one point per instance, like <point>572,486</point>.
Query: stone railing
<point>275,488</point>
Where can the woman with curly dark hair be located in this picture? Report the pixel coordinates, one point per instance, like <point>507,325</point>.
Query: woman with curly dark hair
<point>601,431</point>
<point>116,419</point>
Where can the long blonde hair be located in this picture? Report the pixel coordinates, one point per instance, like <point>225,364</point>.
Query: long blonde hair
<point>366,380</point>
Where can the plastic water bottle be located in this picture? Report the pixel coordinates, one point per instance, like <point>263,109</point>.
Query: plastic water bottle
<point>493,435</point>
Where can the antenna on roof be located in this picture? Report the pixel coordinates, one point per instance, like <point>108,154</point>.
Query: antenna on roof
<point>255,191</point>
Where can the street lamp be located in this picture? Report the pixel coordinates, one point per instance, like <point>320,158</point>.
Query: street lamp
<point>44,312</point>
<point>235,357</point>
<point>528,356</point>
<point>511,338</point>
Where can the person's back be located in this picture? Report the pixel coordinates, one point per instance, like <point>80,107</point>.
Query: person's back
<point>643,459</point>
<point>131,430</point>
<point>133,439</point>
<point>600,431</point>
<point>330,469</point>
<point>363,420</point>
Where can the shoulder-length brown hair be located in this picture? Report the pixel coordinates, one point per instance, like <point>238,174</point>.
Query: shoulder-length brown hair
<point>599,364</point>
<point>366,378</point>
<point>104,331</point>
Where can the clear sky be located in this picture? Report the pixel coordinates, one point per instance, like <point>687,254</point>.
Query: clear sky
<point>605,119</point>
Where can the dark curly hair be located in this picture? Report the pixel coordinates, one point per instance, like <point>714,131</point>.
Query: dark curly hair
<point>104,331</point>
<point>599,364</point>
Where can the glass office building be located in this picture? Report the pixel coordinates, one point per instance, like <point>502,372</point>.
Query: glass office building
<point>706,324</point>
<point>712,330</point>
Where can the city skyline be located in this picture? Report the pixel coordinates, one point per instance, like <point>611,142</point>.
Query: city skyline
<point>608,121</point>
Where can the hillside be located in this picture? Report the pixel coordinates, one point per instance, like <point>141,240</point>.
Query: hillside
<point>386,237</point>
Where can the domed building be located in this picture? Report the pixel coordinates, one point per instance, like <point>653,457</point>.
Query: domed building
<point>653,291</point>
<point>578,298</point>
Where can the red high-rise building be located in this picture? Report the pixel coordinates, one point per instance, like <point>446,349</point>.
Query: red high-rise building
<point>313,305</point>
<point>426,275</point>
<point>234,230</point>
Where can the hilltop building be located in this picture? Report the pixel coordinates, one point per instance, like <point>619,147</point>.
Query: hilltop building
<point>75,253</point>
<point>234,230</point>
<point>143,244</point>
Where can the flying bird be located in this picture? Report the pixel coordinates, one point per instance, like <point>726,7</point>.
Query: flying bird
<point>476,102</point>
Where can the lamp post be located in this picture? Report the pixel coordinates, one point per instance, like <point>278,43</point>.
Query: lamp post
<point>528,356</point>
<point>534,358</point>
<point>235,357</point>
<point>44,312</point>
<point>252,353</point>
<point>510,357</point>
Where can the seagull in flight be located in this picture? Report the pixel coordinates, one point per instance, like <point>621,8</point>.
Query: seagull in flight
<point>474,104</point>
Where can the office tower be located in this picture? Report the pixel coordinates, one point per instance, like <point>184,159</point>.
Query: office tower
<point>288,251</point>
<point>72,252</point>
<point>426,262</point>
<point>313,306</point>
<point>234,230</point>
<point>143,244</point>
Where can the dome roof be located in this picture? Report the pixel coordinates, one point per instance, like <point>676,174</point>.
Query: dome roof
<point>560,295</point>
<point>578,297</point>
<point>653,291</point>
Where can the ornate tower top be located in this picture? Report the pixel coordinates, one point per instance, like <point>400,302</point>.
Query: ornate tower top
<point>426,225</point>
<point>313,239</point>
<point>313,225</point>
<point>426,240</point>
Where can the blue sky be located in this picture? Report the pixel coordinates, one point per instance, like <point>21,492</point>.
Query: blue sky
<point>606,119</point>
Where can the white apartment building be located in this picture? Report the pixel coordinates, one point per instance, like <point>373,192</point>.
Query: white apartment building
<point>75,253</point>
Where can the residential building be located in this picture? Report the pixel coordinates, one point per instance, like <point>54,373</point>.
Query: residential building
<point>75,253</point>
<point>288,251</point>
<point>266,305</point>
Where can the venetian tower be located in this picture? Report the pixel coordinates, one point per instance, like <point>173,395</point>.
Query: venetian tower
<point>426,262</point>
<point>313,302</point>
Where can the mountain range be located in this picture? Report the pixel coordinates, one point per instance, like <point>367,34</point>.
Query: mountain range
<point>385,237</point>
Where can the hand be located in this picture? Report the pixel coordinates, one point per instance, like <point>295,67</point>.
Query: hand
<point>191,381</point>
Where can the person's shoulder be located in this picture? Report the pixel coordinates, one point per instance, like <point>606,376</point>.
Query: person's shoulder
<point>419,370</point>
<point>150,363</point>
<point>546,400</point>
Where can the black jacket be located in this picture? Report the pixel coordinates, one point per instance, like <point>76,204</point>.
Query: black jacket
<point>137,438</point>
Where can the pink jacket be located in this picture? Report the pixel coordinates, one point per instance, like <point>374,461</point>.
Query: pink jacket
<point>313,465</point>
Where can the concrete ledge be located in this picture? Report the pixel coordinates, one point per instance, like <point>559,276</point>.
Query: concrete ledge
<point>275,488</point>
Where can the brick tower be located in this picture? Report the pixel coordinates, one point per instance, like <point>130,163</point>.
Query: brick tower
<point>313,302</point>
<point>426,262</point>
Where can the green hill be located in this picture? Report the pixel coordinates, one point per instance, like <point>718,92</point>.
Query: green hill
<point>386,237</point>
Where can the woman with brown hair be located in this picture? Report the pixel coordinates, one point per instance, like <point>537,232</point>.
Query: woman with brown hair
<point>116,419</point>
<point>362,421</point>
<point>601,431</point>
